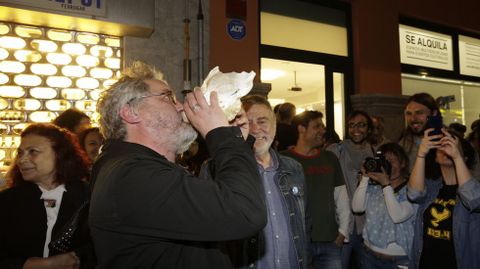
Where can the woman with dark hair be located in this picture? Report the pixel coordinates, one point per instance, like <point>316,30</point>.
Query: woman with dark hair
<point>474,139</point>
<point>447,233</point>
<point>73,120</point>
<point>44,212</point>
<point>91,140</point>
<point>382,196</point>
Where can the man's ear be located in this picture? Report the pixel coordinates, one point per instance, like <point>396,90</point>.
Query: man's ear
<point>301,129</point>
<point>129,114</point>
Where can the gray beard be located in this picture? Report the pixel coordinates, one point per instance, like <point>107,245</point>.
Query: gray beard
<point>185,136</point>
<point>177,138</point>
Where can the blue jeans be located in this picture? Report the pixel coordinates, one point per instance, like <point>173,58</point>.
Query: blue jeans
<point>371,260</point>
<point>326,255</point>
<point>352,252</point>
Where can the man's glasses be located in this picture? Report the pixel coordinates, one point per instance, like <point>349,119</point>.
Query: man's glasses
<point>357,125</point>
<point>169,94</point>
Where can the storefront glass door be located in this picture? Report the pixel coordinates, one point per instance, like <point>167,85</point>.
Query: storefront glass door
<point>308,86</point>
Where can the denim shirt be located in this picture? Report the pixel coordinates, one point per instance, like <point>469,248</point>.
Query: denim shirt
<point>279,247</point>
<point>466,222</point>
<point>291,182</point>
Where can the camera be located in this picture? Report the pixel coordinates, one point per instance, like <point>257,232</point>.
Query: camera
<point>375,164</point>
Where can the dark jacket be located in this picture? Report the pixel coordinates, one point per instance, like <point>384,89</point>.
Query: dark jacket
<point>147,212</point>
<point>23,224</point>
<point>291,182</point>
<point>466,222</point>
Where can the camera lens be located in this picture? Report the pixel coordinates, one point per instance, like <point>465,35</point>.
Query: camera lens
<point>370,165</point>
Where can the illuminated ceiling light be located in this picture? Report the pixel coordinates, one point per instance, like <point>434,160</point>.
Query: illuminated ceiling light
<point>27,104</point>
<point>73,71</point>
<point>87,60</point>
<point>43,69</point>
<point>270,74</point>
<point>28,56</point>
<point>113,63</point>
<point>18,128</point>
<point>86,105</point>
<point>59,35</point>
<point>60,82</point>
<point>108,83</point>
<point>73,94</point>
<point>11,91</point>
<point>3,129</point>
<point>4,29</point>
<point>7,141</point>
<point>3,104</point>
<point>101,51</point>
<point>101,73</point>
<point>43,93</point>
<point>58,105</point>
<point>87,83</point>
<point>95,116</point>
<point>112,42</point>
<point>28,31</point>
<point>44,45</point>
<point>11,42</point>
<point>119,54</point>
<point>11,116</point>
<point>3,53</point>
<point>87,38</point>
<point>3,78</point>
<point>27,80</point>
<point>42,116</point>
<point>59,58</point>
<point>95,94</point>
<point>11,67</point>
<point>74,48</point>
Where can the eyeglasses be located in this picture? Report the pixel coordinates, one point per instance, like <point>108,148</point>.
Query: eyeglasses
<point>169,94</point>
<point>357,125</point>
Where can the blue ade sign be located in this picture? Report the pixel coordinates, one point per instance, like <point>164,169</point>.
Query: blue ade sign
<point>236,29</point>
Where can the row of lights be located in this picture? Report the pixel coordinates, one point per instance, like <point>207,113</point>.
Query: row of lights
<point>45,71</point>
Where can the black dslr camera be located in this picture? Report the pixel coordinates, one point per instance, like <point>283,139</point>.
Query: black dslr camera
<point>375,164</point>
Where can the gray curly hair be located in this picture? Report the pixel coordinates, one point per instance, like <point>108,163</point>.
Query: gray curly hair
<point>126,90</point>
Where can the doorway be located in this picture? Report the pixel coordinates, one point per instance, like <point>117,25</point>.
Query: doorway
<point>309,86</point>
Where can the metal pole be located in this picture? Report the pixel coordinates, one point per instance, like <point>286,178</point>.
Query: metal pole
<point>187,64</point>
<point>200,42</point>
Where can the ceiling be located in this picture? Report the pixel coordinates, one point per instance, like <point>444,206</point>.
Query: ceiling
<point>280,73</point>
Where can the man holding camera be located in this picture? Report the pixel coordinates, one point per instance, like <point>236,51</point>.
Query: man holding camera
<point>419,108</point>
<point>326,193</point>
<point>351,153</point>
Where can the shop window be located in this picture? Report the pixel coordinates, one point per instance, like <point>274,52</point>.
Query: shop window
<point>459,101</point>
<point>45,71</point>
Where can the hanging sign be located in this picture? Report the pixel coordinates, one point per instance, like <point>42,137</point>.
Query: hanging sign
<point>469,55</point>
<point>236,29</point>
<point>85,7</point>
<point>425,48</point>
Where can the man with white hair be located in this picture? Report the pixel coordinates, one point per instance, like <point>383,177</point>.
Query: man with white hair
<point>148,212</point>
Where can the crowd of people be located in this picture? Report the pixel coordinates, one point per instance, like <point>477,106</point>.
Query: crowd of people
<point>270,189</point>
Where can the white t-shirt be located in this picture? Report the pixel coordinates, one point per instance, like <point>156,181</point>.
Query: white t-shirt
<point>52,200</point>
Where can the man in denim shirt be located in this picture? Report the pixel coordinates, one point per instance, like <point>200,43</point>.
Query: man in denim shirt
<point>282,243</point>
